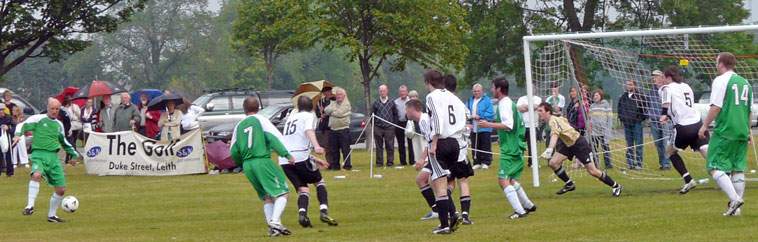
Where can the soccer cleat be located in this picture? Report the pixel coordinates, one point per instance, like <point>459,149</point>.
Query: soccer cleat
<point>485,167</point>
<point>477,166</point>
<point>617,190</point>
<point>467,221</point>
<point>516,216</point>
<point>55,219</point>
<point>305,221</point>
<point>455,221</point>
<point>686,188</point>
<point>733,206</point>
<point>279,228</point>
<point>440,230</point>
<point>736,212</point>
<point>28,211</point>
<point>566,188</point>
<point>532,209</point>
<point>274,233</point>
<point>431,215</point>
<point>328,220</point>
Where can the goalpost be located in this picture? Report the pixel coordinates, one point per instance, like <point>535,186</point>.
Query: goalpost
<point>610,59</point>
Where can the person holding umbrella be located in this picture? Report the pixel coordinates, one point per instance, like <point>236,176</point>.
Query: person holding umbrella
<point>171,120</point>
<point>126,116</point>
<point>148,124</point>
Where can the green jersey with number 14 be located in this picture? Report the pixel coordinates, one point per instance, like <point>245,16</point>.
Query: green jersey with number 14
<point>734,95</point>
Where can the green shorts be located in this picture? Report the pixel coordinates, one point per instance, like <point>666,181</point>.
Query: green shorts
<point>510,167</point>
<point>267,178</point>
<point>48,163</point>
<point>726,155</point>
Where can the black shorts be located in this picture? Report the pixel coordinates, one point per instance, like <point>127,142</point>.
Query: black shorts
<point>461,169</point>
<point>687,135</point>
<point>446,157</point>
<point>302,173</point>
<point>581,149</point>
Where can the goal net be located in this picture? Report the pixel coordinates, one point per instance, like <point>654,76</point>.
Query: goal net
<point>576,65</point>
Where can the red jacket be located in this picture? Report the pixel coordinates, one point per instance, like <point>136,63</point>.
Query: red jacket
<point>151,124</point>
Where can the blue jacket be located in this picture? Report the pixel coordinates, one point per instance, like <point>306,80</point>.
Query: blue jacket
<point>484,109</point>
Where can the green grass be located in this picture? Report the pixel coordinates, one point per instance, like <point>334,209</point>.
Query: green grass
<point>225,207</point>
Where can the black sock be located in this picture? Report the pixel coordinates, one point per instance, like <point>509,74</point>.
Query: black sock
<point>322,196</point>
<point>562,174</point>
<point>680,167</point>
<point>450,199</point>
<point>465,205</point>
<point>607,180</point>
<point>442,206</point>
<point>428,194</point>
<point>302,203</point>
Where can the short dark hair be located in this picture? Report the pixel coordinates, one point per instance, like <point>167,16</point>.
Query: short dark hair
<point>326,89</point>
<point>250,105</point>
<point>547,107</point>
<point>66,101</point>
<point>728,59</point>
<point>451,83</point>
<point>501,83</point>
<point>304,104</point>
<point>415,104</point>
<point>673,73</point>
<point>434,77</point>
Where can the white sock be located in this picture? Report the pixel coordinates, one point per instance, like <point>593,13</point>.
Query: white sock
<point>522,195</point>
<point>510,193</point>
<point>738,181</point>
<point>726,184</point>
<point>33,191</point>
<point>279,205</point>
<point>268,209</point>
<point>55,202</point>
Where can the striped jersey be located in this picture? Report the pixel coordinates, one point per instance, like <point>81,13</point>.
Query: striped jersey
<point>447,114</point>
<point>679,96</point>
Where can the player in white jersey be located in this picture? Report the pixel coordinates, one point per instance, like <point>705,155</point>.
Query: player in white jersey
<point>677,104</point>
<point>447,119</point>
<point>299,137</point>
<point>462,169</point>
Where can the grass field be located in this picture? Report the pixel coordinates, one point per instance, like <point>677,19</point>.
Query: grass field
<point>225,207</point>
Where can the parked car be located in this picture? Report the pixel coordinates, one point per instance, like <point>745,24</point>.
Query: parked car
<point>279,113</point>
<point>223,106</point>
<point>703,105</point>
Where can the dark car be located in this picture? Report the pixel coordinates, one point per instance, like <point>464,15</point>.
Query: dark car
<point>279,113</point>
<point>225,105</point>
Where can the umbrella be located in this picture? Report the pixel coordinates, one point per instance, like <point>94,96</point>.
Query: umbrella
<point>151,94</point>
<point>71,91</point>
<point>219,155</point>
<point>97,89</point>
<point>311,90</point>
<point>159,103</point>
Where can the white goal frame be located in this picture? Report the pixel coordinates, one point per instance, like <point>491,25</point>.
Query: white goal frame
<point>538,38</point>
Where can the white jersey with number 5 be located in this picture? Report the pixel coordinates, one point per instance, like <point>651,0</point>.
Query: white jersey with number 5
<point>294,138</point>
<point>679,96</point>
<point>447,113</point>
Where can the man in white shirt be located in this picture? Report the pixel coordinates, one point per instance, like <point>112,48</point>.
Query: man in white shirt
<point>402,121</point>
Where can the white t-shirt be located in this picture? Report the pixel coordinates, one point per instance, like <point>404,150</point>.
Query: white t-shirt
<point>189,119</point>
<point>294,138</point>
<point>680,97</point>
<point>718,89</point>
<point>505,106</point>
<point>447,114</point>
<point>524,100</point>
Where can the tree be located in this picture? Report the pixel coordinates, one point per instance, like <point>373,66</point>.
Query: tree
<point>265,29</point>
<point>40,28</point>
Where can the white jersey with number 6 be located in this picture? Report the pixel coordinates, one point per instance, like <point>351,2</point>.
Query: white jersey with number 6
<point>679,96</point>
<point>447,113</point>
<point>294,138</point>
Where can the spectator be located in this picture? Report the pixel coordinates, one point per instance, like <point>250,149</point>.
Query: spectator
<point>402,121</point>
<point>190,114</point>
<point>6,123</point>
<point>7,96</point>
<point>653,113</point>
<point>166,91</point>
<point>170,122</point>
<point>523,107</point>
<point>384,133</point>
<point>19,155</point>
<point>323,123</point>
<point>339,123</point>
<point>148,123</point>
<point>481,109</point>
<point>574,114</point>
<point>126,115</point>
<point>601,122</point>
<point>105,115</point>
<point>413,133</point>
<point>556,100</point>
<point>631,115</point>
<point>89,114</point>
<point>68,108</point>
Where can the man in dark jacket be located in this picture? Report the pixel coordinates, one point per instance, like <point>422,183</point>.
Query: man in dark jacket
<point>384,132</point>
<point>323,121</point>
<point>6,123</point>
<point>631,115</point>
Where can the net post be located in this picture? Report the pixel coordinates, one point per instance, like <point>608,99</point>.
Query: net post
<point>371,150</point>
<point>530,101</point>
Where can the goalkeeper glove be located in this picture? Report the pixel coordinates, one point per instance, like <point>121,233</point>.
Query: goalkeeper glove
<point>547,154</point>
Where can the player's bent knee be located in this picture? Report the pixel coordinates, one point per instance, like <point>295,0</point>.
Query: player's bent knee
<point>60,190</point>
<point>303,190</point>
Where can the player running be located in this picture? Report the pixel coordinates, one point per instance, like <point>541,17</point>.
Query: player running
<point>570,144</point>
<point>510,129</point>
<point>677,103</point>
<point>731,97</point>
<point>48,139</point>
<point>299,137</point>
<point>252,141</point>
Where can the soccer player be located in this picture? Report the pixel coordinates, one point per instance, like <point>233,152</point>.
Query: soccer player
<point>48,139</point>
<point>677,103</point>
<point>299,137</point>
<point>462,169</point>
<point>570,145</point>
<point>448,119</point>
<point>731,97</point>
<point>252,141</point>
<point>510,129</point>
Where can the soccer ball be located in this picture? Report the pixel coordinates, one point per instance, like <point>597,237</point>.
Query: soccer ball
<point>70,204</point>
